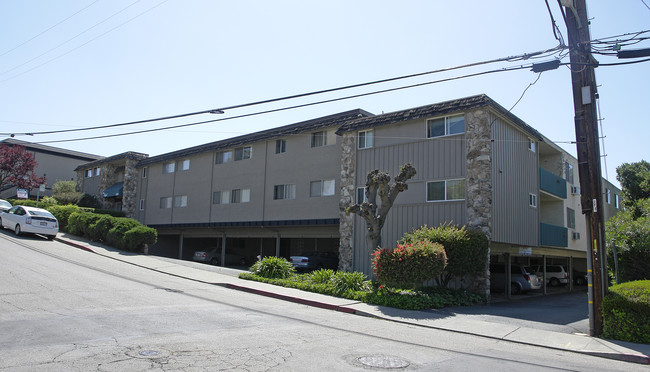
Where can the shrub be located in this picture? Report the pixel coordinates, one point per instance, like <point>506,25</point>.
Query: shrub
<point>62,213</point>
<point>99,229</point>
<point>109,212</point>
<point>115,236</point>
<point>273,267</point>
<point>409,265</point>
<point>626,310</point>
<point>349,282</point>
<point>68,197</point>
<point>89,201</point>
<point>137,237</point>
<point>48,200</point>
<point>79,223</point>
<point>321,276</point>
<point>466,250</point>
<point>30,203</point>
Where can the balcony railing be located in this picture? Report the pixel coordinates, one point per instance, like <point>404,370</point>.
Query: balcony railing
<point>554,236</point>
<point>552,184</point>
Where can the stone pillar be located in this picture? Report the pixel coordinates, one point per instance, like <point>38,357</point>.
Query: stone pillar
<point>106,180</point>
<point>346,221</point>
<point>130,188</point>
<point>80,180</point>
<point>479,181</point>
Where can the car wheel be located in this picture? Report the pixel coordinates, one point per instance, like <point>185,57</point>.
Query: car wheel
<point>17,229</point>
<point>51,237</point>
<point>514,288</point>
<point>554,282</point>
<point>214,262</point>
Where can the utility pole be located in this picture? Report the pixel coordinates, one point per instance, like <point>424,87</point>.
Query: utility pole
<point>587,139</point>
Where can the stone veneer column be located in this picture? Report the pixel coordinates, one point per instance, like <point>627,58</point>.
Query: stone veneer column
<point>129,191</point>
<point>346,221</point>
<point>479,181</point>
<point>106,180</point>
<point>80,180</point>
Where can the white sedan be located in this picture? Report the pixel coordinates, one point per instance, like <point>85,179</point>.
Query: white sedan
<point>23,219</point>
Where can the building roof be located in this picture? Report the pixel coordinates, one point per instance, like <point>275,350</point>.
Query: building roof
<point>304,126</point>
<point>35,147</point>
<point>137,156</point>
<point>436,109</point>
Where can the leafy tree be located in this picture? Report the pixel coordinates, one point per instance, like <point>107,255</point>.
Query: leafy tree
<point>635,181</point>
<point>65,192</point>
<point>17,168</point>
<point>374,212</point>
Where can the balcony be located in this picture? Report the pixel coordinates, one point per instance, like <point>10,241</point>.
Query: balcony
<point>554,236</point>
<point>552,184</point>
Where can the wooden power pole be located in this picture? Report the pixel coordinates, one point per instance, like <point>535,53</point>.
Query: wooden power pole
<point>587,139</point>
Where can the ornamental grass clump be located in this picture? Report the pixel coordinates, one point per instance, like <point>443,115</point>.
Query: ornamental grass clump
<point>409,265</point>
<point>273,268</point>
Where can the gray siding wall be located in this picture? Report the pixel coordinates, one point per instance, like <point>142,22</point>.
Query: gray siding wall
<point>434,160</point>
<point>299,165</point>
<point>515,175</point>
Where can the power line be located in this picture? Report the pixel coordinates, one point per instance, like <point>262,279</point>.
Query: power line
<point>646,5</point>
<point>539,75</point>
<point>521,57</point>
<point>296,106</point>
<point>48,29</point>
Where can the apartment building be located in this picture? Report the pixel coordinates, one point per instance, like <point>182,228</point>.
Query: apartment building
<point>56,164</point>
<point>284,191</point>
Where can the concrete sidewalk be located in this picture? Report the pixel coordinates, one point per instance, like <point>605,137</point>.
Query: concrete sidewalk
<point>437,319</point>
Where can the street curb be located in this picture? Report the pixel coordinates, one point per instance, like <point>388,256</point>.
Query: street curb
<point>73,244</point>
<point>298,300</point>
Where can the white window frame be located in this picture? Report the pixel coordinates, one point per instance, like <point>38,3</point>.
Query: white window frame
<point>141,204</point>
<point>184,165</point>
<point>238,196</point>
<point>318,139</point>
<point>98,171</point>
<point>569,176</point>
<point>280,146</point>
<point>245,152</point>
<point>365,139</point>
<point>224,157</point>
<point>532,145</point>
<point>446,183</point>
<point>608,196</point>
<point>166,202</point>
<point>89,173</point>
<point>180,201</point>
<point>532,200</point>
<point>617,200</point>
<point>284,192</point>
<point>361,195</point>
<point>169,167</point>
<point>322,188</point>
<point>446,124</point>
<point>570,218</point>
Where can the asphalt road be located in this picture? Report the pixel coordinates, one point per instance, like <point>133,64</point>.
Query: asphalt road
<point>67,309</point>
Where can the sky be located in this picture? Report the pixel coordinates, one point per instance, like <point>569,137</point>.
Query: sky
<point>73,64</point>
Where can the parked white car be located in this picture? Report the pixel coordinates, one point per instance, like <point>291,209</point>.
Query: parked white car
<point>555,274</point>
<point>23,219</point>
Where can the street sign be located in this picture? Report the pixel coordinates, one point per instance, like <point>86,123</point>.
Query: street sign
<point>22,194</point>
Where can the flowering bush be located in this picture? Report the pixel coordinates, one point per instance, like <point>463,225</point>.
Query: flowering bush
<point>409,264</point>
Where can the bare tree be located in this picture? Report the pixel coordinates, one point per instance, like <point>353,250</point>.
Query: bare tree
<point>374,212</point>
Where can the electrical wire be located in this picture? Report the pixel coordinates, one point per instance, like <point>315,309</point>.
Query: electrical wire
<point>646,5</point>
<point>48,29</point>
<point>526,56</point>
<point>556,29</point>
<point>295,106</point>
<point>539,75</point>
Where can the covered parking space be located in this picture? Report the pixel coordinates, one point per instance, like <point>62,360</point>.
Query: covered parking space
<point>544,262</point>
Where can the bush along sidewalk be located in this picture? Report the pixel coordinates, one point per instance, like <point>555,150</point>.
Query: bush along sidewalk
<point>356,286</point>
<point>626,311</point>
<point>119,232</point>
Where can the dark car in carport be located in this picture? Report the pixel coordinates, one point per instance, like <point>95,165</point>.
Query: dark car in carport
<point>315,260</point>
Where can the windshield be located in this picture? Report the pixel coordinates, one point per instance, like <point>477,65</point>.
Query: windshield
<point>4,203</point>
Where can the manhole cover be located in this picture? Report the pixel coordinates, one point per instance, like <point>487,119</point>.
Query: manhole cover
<point>148,353</point>
<point>383,361</point>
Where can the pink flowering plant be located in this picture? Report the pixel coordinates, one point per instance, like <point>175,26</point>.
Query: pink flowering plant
<point>409,265</point>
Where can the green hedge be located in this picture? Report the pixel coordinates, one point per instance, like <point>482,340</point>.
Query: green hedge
<point>62,213</point>
<point>409,265</point>
<point>119,232</point>
<point>626,310</point>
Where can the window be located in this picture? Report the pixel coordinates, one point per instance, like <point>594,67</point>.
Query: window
<point>531,145</point>
<point>284,192</point>
<point>318,139</point>
<point>141,204</point>
<point>446,190</point>
<point>445,126</point>
<point>169,167</point>
<point>532,200</point>
<point>165,202</point>
<point>570,218</point>
<point>240,196</point>
<point>180,201</point>
<point>280,146</point>
<point>89,173</point>
<point>608,196</point>
<point>321,188</point>
<point>221,197</point>
<point>617,200</point>
<point>366,139</point>
<point>98,171</point>
<point>361,195</point>
<point>185,165</point>
<point>242,153</point>
<point>568,170</point>
<point>144,172</point>
<point>224,157</point>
